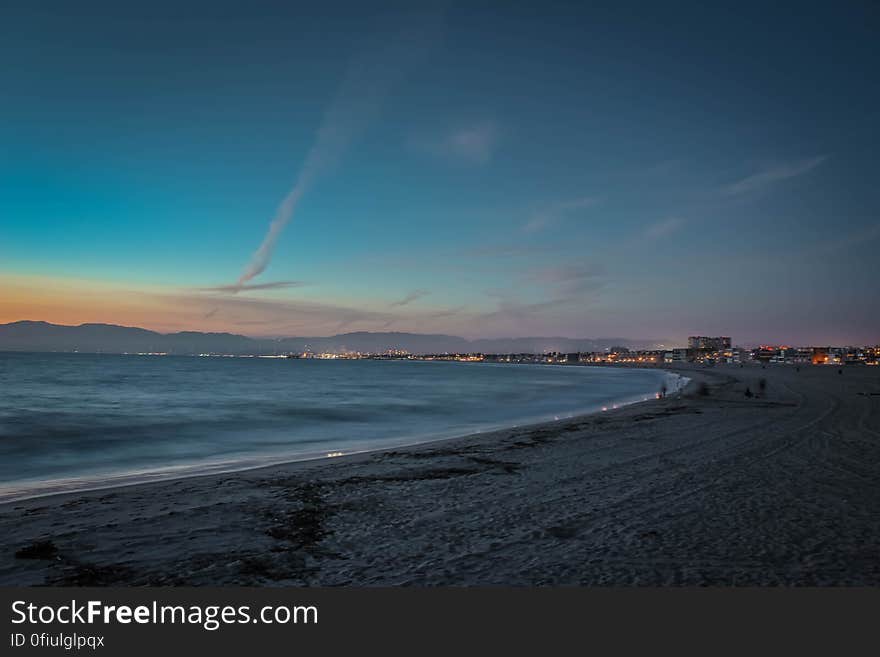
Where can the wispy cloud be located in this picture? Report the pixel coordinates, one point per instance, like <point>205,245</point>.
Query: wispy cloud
<point>278,316</point>
<point>472,144</point>
<point>569,280</point>
<point>663,228</point>
<point>538,223</point>
<point>514,310</point>
<point>558,286</point>
<point>359,99</point>
<point>425,321</point>
<point>773,174</point>
<point>445,312</point>
<point>249,287</point>
<point>565,273</point>
<point>859,237</point>
<point>409,298</point>
<point>554,213</point>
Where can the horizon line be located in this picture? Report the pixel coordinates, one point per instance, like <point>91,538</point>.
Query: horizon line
<point>267,337</point>
<point>661,343</point>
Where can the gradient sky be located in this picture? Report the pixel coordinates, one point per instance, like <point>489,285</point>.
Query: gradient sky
<point>507,169</point>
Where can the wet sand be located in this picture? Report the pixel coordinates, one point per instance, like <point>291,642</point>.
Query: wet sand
<point>697,489</point>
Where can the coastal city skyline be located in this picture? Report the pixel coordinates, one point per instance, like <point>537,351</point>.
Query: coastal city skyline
<point>706,350</point>
<point>452,170</point>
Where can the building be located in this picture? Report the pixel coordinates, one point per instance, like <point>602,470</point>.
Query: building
<point>764,353</point>
<point>732,356</point>
<point>682,355</point>
<point>704,343</point>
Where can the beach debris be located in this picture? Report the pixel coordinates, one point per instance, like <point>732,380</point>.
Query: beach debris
<point>37,550</point>
<point>303,527</point>
<point>503,467</point>
<point>562,531</point>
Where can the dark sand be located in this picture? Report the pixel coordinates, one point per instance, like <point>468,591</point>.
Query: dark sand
<point>716,489</point>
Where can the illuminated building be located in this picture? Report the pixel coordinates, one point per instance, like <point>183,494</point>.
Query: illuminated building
<point>704,343</point>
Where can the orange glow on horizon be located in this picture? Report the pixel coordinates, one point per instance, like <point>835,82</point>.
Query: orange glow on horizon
<point>167,309</point>
<point>76,301</point>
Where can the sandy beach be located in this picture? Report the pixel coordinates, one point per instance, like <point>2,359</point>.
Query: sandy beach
<point>707,488</point>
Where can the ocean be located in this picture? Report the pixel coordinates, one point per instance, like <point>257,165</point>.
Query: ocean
<point>76,421</point>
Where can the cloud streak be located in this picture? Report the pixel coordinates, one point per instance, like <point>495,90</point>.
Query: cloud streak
<point>357,102</point>
<point>568,281</point>
<point>553,214</point>
<point>409,298</point>
<point>244,287</point>
<point>773,174</point>
<point>663,228</point>
<point>474,144</point>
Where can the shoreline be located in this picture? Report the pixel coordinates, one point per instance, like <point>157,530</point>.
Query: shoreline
<point>700,489</point>
<point>52,488</point>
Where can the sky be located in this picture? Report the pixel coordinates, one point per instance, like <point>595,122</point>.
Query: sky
<point>635,170</point>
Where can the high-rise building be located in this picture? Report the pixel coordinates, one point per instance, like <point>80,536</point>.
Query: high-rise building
<point>704,343</point>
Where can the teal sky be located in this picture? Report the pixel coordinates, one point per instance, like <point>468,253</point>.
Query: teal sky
<point>485,169</point>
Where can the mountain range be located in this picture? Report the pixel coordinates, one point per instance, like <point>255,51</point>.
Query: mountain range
<point>110,338</point>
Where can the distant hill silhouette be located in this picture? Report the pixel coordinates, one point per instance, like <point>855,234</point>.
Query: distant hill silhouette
<point>109,338</point>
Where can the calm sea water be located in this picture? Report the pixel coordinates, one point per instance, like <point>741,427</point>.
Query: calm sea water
<point>72,421</point>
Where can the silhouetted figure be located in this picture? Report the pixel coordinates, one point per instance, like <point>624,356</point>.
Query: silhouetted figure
<point>840,371</point>
<point>749,393</point>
